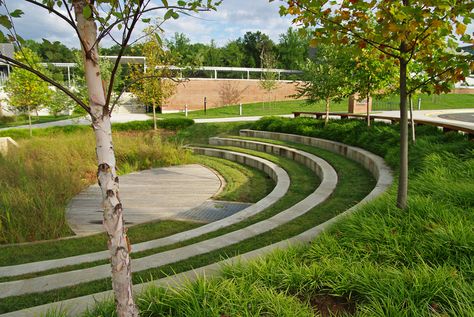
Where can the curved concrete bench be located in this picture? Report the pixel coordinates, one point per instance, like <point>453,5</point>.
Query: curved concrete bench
<point>373,163</point>
<point>59,280</point>
<point>279,175</point>
<point>78,305</point>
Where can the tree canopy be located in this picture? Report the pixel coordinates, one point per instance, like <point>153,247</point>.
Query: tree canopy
<point>402,30</point>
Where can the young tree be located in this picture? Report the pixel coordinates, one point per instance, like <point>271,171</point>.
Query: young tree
<point>59,102</point>
<point>327,76</point>
<point>268,80</point>
<point>404,30</point>
<point>156,88</point>
<point>92,21</point>
<point>26,92</point>
<point>372,76</point>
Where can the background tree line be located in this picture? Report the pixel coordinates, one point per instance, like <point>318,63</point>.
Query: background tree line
<point>289,52</point>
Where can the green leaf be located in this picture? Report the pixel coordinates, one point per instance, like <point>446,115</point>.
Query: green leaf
<point>146,20</point>
<point>165,2</point>
<point>175,15</point>
<point>16,14</point>
<point>87,12</point>
<point>168,14</point>
<point>5,21</point>
<point>158,39</point>
<point>181,3</point>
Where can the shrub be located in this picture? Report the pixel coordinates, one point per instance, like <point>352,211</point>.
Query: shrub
<point>168,124</point>
<point>175,123</point>
<point>7,119</point>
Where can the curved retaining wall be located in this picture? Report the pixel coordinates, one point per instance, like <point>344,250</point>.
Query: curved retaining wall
<point>70,278</point>
<point>78,305</point>
<point>373,163</point>
<point>278,174</point>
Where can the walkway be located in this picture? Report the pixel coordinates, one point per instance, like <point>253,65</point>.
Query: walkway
<point>161,193</point>
<point>116,118</point>
<point>431,115</point>
<point>448,116</point>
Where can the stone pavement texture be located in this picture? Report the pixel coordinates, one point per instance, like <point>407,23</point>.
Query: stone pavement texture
<point>274,171</point>
<point>156,194</point>
<point>212,210</point>
<point>463,116</point>
<point>374,163</point>
<point>328,184</point>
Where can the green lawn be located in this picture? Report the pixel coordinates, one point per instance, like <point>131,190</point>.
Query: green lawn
<point>446,101</point>
<point>23,120</point>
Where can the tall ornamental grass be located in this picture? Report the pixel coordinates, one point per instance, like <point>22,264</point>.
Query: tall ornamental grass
<point>38,179</point>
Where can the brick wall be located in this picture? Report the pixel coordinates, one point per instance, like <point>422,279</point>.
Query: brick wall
<point>193,91</point>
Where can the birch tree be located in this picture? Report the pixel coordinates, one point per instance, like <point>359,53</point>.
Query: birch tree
<point>92,21</point>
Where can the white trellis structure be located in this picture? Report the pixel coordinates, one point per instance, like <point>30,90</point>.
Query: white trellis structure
<point>213,69</point>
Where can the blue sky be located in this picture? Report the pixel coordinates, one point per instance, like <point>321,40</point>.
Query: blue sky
<point>232,19</point>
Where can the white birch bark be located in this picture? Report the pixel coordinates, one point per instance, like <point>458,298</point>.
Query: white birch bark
<point>118,243</point>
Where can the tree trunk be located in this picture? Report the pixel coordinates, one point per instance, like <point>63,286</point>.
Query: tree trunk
<point>154,116</point>
<point>119,245</point>
<point>368,109</point>
<point>29,121</point>
<point>412,120</point>
<point>326,120</point>
<point>403,177</point>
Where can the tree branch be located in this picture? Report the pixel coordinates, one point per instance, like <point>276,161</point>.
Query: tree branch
<point>411,91</point>
<point>124,43</point>
<point>21,65</point>
<point>347,31</point>
<point>138,80</point>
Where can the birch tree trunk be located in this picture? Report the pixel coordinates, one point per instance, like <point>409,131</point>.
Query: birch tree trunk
<point>29,121</point>
<point>154,115</point>
<point>118,244</point>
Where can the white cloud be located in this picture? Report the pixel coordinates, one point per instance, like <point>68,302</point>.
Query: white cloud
<point>231,20</point>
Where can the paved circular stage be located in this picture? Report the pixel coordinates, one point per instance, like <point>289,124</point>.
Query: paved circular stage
<point>161,193</point>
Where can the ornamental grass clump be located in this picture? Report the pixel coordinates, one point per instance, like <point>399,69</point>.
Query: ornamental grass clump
<point>38,179</point>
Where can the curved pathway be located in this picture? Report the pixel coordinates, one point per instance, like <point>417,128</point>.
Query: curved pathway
<point>155,194</point>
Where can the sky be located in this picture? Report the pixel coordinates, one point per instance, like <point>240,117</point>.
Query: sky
<point>231,20</point>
